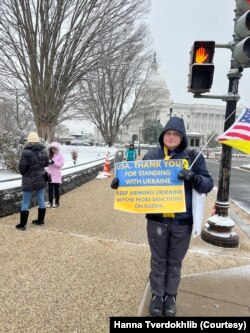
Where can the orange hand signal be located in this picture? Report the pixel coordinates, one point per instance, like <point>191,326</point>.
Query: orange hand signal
<point>201,55</point>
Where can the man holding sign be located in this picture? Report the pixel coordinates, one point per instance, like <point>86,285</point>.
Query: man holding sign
<point>169,232</point>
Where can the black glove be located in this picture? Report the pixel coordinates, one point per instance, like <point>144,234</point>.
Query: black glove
<point>51,162</point>
<point>187,175</point>
<point>115,183</point>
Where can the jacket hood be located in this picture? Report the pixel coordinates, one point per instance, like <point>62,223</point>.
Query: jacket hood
<point>176,124</point>
<point>56,145</point>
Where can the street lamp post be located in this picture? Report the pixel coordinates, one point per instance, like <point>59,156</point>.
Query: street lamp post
<point>218,230</point>
<point>121,135</point>
<point>170,112</point>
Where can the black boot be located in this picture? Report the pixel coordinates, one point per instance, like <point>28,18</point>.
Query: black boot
<point>41,216</point>
<point>156,306</point>
<point>169,306</point>
<point>23,220</point>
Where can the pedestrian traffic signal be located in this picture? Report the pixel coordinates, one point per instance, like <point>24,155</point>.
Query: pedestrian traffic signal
<point>201,69</point>
<point>241,48</point>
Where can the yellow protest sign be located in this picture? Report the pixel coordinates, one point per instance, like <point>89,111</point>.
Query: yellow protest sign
<point>150,187</point>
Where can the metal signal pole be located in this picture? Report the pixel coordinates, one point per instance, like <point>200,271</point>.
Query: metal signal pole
<point>218,230</point>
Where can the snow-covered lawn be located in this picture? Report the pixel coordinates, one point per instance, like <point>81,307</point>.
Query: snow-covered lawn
<point>85,154</point>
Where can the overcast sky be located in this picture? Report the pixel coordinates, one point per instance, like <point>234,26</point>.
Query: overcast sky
<point>175,25</point>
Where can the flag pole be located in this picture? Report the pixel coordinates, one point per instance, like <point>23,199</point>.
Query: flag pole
<point>200,152</point>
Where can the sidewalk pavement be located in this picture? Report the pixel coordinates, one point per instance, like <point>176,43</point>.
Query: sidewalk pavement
<point>89,262</point>
<point>215,281</point>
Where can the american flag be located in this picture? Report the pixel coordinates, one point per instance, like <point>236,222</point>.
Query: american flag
<point>238,135</point>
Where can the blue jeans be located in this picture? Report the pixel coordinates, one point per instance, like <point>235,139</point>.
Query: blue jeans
<point>27,196</point>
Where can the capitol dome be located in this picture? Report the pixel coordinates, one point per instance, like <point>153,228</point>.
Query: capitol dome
<point>155,88</point>
<point>154,80</point>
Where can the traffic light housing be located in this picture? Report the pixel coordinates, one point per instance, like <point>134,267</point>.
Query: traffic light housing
<point>241,47</point>
<point>201,69</point>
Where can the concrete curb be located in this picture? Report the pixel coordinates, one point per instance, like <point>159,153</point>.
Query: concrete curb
<point>241,223</point>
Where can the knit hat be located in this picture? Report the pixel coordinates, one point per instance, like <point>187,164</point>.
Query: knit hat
<point>33,137</point>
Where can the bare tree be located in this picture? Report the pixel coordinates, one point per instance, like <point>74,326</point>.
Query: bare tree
<point>22,111</point>
<point>116,90</point>
<point>5,115</point>
<point>17,109</point>
<point>151,131</point>
<point>50,45</point>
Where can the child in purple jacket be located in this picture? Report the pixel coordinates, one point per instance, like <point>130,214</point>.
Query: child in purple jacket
<point>56,162</point>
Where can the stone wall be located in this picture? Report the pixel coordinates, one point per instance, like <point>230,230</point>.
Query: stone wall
<point>10,199</point>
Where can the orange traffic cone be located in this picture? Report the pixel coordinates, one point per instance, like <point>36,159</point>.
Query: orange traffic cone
<point>106,167</point>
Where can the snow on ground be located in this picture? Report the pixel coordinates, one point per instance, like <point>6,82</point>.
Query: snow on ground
<point>86,154</point>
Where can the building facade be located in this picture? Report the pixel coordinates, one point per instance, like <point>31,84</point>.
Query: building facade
<point>201,120</point>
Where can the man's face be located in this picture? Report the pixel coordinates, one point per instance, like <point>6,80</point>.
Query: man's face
<point>172,139</point>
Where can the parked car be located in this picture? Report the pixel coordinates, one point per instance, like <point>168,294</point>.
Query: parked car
<point>78,142</point>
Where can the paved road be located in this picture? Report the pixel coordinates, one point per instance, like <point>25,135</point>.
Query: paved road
<point>239,184</point>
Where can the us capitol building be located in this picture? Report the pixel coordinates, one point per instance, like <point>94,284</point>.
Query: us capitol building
<point>200,119</point>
